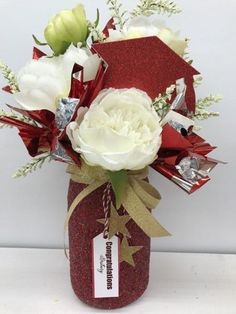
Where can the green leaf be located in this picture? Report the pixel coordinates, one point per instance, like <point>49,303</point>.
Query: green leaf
<point>119,180</point>
<point>92,26</point>
<point>38,42</point>
<point>97,19</point>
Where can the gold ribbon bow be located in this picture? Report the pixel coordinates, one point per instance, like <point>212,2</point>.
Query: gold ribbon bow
<point>139,196</point>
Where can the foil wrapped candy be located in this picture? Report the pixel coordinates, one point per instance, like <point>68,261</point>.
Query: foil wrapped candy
<point>183,155</point>
<point>194,170</point>
<point>190,172</point>
<point>64,113</point>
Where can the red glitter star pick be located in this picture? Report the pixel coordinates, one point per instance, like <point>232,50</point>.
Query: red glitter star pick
<point>147,64</point>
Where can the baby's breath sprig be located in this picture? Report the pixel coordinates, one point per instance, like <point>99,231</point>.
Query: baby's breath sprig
<point>33,165</point>
<point>96,34</point>
<point>10,77</point>
<point>161,104</point>
<point>186,55</point>
<point>202,104</point>
<point>119,15</point>
<point>197,81</point>
<point>94,31</point>
<point>20,117</point>
<point>150,7</point>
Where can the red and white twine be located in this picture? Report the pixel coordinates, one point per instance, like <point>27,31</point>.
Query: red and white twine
<point>106,202</point>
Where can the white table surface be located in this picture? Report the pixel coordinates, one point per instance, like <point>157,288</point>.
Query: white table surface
<point>36,281</point>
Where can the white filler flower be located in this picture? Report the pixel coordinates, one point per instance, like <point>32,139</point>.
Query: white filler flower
<point>119,131</point>
<point>144,26</point>
<point>42,82</point>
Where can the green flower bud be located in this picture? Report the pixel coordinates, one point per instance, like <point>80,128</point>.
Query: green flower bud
<point>68,26</point>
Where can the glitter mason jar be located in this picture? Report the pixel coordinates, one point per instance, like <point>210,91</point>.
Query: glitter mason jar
<point>83,228</point>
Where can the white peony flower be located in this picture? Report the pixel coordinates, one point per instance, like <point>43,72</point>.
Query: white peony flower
<point>42,82</point>
<point>144,26</point>
<point>120,130</point>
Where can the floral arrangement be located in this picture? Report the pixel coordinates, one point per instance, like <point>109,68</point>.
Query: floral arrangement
<point>109,103</point>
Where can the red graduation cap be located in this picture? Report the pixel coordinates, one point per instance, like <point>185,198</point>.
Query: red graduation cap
<point>147,64</point>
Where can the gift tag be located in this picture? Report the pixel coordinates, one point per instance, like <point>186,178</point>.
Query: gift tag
<point>106,267</point>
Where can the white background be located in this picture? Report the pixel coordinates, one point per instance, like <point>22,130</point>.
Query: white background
<point>32,210</point>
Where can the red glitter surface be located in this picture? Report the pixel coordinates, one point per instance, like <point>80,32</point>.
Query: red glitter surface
<point>147,64</point>
<point>83,227</point>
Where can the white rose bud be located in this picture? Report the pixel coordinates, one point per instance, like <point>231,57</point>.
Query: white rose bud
<point>119,131</point>
<point>68,26</point>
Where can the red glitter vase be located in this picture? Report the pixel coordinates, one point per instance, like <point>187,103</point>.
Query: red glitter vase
<point>83,227</point>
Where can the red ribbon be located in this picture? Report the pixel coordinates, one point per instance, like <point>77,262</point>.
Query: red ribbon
<point>37,139</point>
<point>37,54</point>
<point>110,25</point>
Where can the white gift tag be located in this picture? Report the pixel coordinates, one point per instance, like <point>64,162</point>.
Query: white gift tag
<point>106,267</point>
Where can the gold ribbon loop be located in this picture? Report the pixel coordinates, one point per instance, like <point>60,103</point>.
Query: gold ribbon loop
<point>136,208</point>
<point>86,174</point>
<point>140,195</point>
<point>146,192</point>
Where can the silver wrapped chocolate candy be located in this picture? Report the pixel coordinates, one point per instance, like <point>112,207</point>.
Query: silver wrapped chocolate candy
<point>65,110</point>
<point>64,113</point>
<point>194,171</point>
<point>60,154</point>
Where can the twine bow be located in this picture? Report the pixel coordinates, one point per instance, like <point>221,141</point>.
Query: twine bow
<point>139,196</point>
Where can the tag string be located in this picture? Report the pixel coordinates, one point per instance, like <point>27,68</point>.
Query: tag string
<point>106,202</point>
